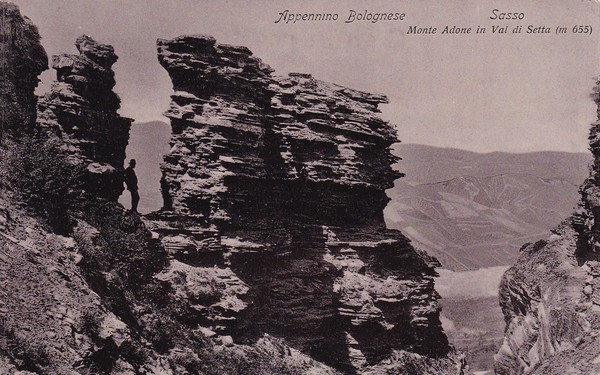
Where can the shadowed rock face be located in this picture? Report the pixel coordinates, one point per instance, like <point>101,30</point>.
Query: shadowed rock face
<point>551,297</point>
<point>22,59</point>
<point>280,182</point>
<point>81,109</point>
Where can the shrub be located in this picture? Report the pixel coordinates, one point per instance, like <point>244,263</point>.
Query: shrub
<point>122,244</point>
<point>37,171</point>
<point>91,323</point>
<point>27,355</point>
<point>538,246</point>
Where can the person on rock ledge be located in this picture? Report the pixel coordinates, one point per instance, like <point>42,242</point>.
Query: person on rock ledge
<point>132,184</point>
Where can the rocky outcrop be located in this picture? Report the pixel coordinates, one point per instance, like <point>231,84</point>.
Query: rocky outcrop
<point>96,298</point>
<point>271,246</point>
<point>81,109</point>
<point>274,190</point>
<point>551,297</point>
<point>22,59</point>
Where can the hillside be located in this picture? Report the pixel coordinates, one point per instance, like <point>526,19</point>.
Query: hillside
<point>476,210</point>
<point>423,164</point>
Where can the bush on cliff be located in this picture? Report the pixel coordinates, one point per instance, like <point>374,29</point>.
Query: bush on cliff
<point>39,175</point>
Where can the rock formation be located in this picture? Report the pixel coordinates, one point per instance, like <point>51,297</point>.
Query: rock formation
<point>274,191</point>
<point>87,301</point>
<point>81,109</point>
<point>551,297</point>
<point>271,242</point>
<point>22,59</point>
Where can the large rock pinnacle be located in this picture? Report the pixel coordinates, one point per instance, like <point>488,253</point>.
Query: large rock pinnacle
<point>81,109</point>
<point>280,182</point>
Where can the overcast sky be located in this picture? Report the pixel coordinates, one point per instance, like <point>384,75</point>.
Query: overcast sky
<point>482,93</point>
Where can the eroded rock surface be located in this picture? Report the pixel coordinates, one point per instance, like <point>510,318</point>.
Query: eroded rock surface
<point>551,297</point>
<point>81,109</point>
<point>274,190</point>
<point>22,59</point>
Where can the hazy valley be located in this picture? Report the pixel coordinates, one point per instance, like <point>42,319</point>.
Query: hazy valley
<point>474,212</point>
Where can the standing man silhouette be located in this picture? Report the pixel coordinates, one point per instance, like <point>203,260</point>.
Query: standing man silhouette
<point>132,185</point>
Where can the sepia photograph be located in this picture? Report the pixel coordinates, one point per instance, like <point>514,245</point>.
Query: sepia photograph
<point>312,187</point>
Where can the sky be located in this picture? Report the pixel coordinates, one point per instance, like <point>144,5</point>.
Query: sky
<point>479,92</point>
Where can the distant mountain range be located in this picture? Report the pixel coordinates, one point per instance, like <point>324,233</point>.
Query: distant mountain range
<point>475,210</point>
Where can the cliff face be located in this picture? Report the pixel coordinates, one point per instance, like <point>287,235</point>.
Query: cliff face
<point>279,182</point>
<point>551,297</point>
<point>22,59</point>
<point>81,109</point>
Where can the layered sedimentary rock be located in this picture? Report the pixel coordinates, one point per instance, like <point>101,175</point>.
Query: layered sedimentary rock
<point>551,297</point>
<point>81,109</point>
<point>22,59</point>
<point>274,190</point>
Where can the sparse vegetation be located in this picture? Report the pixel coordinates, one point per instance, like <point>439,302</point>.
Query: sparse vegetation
<point>121,243</point>
<point>35,170</point>
<point>538,245</point>
<point>119,261</point>
<point>91,323</point>
<point>269,356</point>
<point>26,355</point>
<point>161,331</point>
